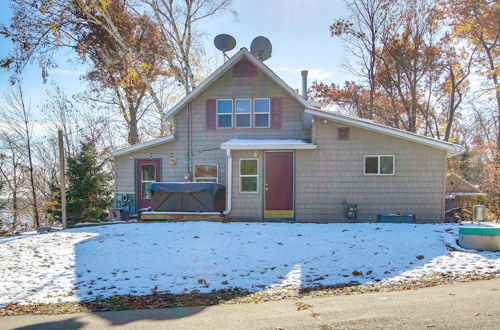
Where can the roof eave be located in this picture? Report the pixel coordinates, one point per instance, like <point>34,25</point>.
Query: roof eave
<point>451,148</point>
<point>226,66</point>
<point>140,146</point>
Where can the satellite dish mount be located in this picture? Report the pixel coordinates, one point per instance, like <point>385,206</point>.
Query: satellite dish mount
<point>261,48</point>
<point>224,43</point>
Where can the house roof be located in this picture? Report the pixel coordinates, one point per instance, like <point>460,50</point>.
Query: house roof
<point>311,108</point>
<point>451,148</point>
<point>266,144</point>
<point>140,146</point>
<point>458,186</point>
<point>242,53</point>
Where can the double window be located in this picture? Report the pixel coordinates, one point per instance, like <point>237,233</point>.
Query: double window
<point>244,113</point>
<point>261,112</point>
<point>205,173</point>
<point>249,175</point>
<point>224,113</point>
<point>379,165</point>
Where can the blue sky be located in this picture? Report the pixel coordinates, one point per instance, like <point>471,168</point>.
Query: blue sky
<point>298,30</point>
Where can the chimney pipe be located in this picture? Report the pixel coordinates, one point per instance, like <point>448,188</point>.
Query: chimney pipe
<point>303,73</point>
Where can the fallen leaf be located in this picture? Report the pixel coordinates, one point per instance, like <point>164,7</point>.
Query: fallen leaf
<point>302,307</point>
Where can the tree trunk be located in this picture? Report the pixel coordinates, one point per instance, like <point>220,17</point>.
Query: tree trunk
<point>133,132</point>
<point>14,209</point>
<point>32,180</point>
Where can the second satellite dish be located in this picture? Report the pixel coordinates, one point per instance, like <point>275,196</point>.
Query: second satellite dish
<point>261,48</point>
<point>224,42</point>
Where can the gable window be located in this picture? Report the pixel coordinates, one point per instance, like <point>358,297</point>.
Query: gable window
<point>343,133</point>
<point>243,109</point>
<point>261,112</point>
<point>379,165</point>
<point>224,113</point>
<point>249,175</point>
<point>205,173</point>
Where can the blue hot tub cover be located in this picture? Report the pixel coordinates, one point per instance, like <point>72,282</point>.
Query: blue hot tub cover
<point>186,187</point>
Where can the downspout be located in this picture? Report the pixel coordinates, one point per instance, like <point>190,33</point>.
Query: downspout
<point>188,175</point>
<point>229,182</point>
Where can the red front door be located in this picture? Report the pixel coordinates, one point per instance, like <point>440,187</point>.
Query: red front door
<point>279,185</point>
<point>148,171</point>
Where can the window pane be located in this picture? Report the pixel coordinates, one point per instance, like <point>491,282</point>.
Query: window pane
<point>224,120</point>
<point>249,183</point>
<point>371,165</point>
<point>262,120</point>
<point>248,167</point>
<point>242,106</point>
<point>224,106</point>
<point>386,165</point>
<point>243,120</point>
<point>205,171</point>
<point>148,172</point>
<point>145,194</point>
<point>262,105</point>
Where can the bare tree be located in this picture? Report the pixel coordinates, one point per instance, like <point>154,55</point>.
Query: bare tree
<point>16,115</point>
<point>12,171</point>
<point>362,33</point>
<point>182,42</point>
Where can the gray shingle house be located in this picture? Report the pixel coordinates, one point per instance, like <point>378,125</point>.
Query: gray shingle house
<point>282,157</point>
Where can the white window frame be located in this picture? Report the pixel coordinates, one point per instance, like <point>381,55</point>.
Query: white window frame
<point>261,113</point>
<point>378,165</point>
<point>250,114</point>
<point>249,176</point>
<point>205,177</point>
<point>224,114</point>
<point>148,181</point>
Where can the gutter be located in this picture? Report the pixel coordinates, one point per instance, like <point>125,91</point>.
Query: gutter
<point>229,184</point>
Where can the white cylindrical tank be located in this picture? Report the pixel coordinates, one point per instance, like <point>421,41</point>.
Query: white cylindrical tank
<point>478,212</point>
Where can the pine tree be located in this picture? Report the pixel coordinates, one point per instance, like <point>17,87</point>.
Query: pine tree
<point>89,190</point>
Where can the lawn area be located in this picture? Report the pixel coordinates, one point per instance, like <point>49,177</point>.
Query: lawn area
<point>143,259</point>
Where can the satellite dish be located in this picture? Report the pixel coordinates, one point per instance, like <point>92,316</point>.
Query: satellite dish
<point>224,42</point>
<point>261,48</point>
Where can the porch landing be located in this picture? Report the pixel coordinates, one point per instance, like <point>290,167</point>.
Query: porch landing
<point>214,216</point>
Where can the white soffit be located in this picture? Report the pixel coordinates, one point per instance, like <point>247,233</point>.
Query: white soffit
<point>140,146</point>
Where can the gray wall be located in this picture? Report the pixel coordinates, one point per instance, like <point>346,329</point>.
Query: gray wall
<point>334,172</point>
<point>324,177</point>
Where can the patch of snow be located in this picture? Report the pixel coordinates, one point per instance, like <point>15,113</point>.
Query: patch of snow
<point>179,257</point>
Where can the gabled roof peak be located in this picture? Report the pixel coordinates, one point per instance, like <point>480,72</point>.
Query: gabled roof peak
<point>242,53</point>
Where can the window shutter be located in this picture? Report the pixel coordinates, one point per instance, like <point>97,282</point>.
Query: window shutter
<point>211,115</point>
<point>343,133</point>
<point>275,112</point>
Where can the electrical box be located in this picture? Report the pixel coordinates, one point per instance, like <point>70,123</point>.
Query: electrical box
<point>125,202</point>
<point>350,210</point>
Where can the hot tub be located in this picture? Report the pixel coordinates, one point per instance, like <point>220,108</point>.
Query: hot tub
<point>188,197</point>
<point>485,237</point>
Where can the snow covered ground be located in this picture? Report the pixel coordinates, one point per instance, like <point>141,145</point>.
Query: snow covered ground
<point>84,263</point>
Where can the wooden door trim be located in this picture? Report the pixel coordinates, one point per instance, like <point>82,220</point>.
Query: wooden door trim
<point>264,177</point>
